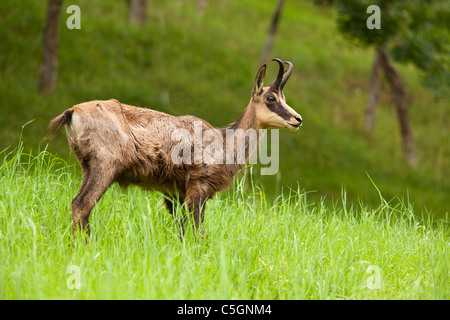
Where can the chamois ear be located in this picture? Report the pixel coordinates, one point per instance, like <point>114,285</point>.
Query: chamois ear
<point>259,81</point>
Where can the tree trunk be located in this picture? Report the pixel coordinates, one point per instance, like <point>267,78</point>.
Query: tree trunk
<point>201,6</point>
<point>374,92</point>
<point>49,66</point>
<point>138,12</point>
<point>272,32</point>
<point>402,104</point>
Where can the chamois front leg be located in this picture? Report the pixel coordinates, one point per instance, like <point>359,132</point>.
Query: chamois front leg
<point>195,203</point>
<point>172,203</point>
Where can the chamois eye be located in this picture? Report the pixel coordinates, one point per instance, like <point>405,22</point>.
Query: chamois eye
<point>270,99</point>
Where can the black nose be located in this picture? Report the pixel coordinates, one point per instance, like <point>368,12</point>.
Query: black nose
<point>299,120</point>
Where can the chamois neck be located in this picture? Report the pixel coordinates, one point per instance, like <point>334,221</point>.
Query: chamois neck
<point>247,120</point>
<point>242,139</point>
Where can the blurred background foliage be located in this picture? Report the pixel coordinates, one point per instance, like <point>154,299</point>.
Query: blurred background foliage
<point>202,60</point>
<point>415,31</point>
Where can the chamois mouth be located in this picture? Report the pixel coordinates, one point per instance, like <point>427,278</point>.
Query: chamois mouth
<point>293,127</point>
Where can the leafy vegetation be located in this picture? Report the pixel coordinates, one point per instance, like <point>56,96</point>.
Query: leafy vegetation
<point>342,207</point>
<point>294,249</point>
<point>182,62</point>
<point>415,32</point>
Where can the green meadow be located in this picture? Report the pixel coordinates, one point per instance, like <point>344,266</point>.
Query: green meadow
<point>294,248</point>
<point>344,218</point>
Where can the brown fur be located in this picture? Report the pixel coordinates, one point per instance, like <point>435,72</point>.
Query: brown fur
<point>115,142</point>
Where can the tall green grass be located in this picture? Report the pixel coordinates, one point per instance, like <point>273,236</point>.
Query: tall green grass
<point>293,248</point>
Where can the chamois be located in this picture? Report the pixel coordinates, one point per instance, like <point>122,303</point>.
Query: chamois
<point>115,142</point>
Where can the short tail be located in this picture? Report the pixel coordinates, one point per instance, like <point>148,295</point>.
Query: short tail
<point>56,124</point>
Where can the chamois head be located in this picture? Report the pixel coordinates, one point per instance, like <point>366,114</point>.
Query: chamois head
<point>272,110</point>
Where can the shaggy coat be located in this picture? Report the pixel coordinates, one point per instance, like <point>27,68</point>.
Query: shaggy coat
<point>115,142</point>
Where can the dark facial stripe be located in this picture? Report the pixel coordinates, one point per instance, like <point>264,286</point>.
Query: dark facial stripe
<point>278,109</point>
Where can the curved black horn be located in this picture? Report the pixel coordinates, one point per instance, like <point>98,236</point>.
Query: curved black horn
<point>276,84</point>
<point>287,74</point>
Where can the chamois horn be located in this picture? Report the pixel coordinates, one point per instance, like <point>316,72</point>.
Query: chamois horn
<point>287,74</point>
<point>277,82</point>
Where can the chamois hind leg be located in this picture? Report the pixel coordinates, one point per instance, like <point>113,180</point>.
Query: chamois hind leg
<point>92,189</point>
